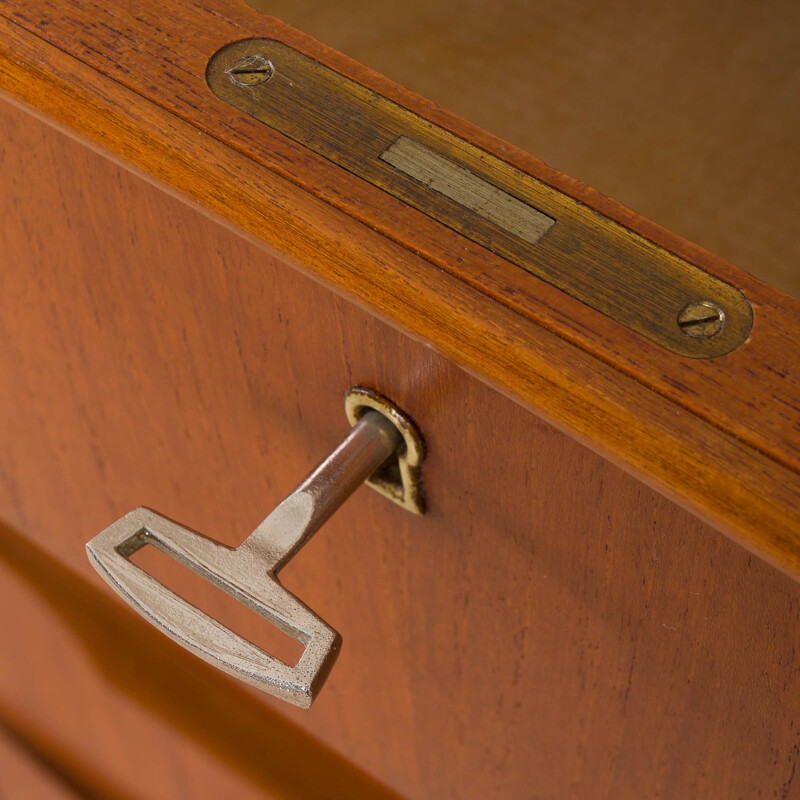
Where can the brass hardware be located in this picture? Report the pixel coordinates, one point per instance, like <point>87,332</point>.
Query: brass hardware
<point>467,189</point>
<point>251,71</point>
<point>543,231</point>
<point>701,319</point>
<point>249,572</point>
<point>398,478</point>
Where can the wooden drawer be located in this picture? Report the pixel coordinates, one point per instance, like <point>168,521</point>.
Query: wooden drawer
<point>554,626</point>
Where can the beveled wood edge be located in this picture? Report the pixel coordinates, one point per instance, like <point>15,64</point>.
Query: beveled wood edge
<point>250,738</point>
<point>43,750</point>
<point>139,51</point>
<point>704,468</point>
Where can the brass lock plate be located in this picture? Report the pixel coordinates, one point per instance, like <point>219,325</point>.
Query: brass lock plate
<point>512,214</point>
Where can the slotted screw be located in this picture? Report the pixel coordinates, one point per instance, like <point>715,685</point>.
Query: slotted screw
<point>701,319</point>
<point>251,71</point>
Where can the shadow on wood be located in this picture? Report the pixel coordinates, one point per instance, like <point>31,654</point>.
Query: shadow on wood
<point>193,697</point>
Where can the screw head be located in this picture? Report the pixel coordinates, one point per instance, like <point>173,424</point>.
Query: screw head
<point>701,319</point>
<point>251,71</point>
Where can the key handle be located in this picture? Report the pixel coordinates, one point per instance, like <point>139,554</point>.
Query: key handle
<point>249,572</point>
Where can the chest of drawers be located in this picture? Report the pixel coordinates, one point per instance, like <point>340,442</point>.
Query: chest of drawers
<point>601,598</point>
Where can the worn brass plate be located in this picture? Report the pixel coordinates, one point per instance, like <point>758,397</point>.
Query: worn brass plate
<point>505,210</point>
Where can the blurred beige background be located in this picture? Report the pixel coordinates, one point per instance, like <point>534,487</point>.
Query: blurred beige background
<point>687,111</point>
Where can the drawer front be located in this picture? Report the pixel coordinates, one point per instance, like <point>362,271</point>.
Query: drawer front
<point>25,773</point>
<point>551,627</point>
<point>99,705</point>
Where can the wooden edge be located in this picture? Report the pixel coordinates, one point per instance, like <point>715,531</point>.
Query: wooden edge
<point>55,764</point>
<point>162,51</point>
<point>703,467</point>
<point>251,739</point>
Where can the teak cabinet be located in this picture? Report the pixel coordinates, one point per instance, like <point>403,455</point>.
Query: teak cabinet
<point>601,600</point>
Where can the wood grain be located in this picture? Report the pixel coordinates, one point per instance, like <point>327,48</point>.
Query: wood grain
<point>33,762</point>
<point>629,279</point>
<point>23,774</point>
<point>552,628</point>
<point>679,111</point>
<point>133,48</point>
<point>716,435</point>
<point>127,714</point>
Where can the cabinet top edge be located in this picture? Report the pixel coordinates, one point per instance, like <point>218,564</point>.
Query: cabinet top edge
<point>719,435</point>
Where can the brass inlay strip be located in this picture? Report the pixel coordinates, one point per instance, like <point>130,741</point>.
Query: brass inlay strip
<point>467,189</point>
<point>507,211</point>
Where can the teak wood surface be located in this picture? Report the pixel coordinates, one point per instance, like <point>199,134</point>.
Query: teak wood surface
<point>720,436</point>
<point>553,627</point>
<point>23,775</point>
<point>680,110</point>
